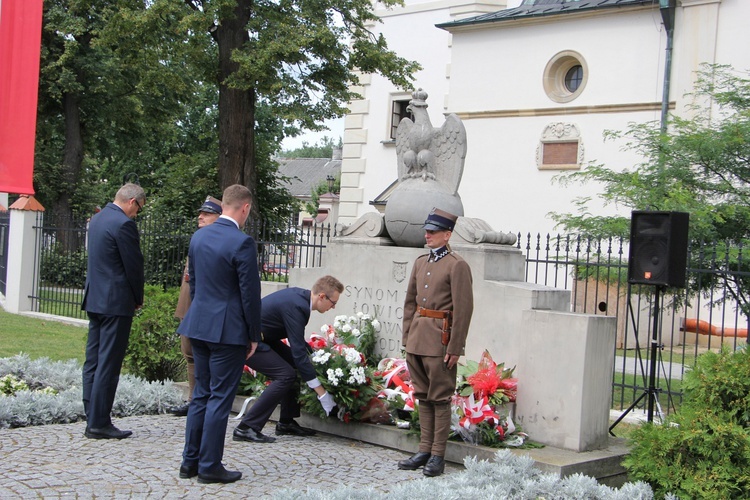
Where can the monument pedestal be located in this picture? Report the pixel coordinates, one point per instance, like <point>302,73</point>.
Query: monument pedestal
<point>564,361</point>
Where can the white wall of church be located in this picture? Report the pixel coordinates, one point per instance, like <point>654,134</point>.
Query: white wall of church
<point>502,182</point>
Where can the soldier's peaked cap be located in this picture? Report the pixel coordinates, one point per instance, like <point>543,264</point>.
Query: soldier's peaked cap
<point>440,220</point>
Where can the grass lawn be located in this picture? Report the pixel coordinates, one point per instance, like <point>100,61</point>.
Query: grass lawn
<point>39,338</point>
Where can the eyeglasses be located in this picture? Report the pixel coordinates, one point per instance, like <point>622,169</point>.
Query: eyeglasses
<point>140,207</point>
<point>330,299</point>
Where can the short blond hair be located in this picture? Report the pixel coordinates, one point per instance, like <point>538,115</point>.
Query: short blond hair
<point>235,196</point>
<point>327,284</point>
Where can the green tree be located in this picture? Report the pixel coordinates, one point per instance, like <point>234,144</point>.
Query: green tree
<point>300,57</point>
<point>322,188</point>
<point>114,89</point>
<point>701,165</point>
<point>322,149</point>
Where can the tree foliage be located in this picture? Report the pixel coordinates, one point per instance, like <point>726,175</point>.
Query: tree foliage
<point>322,149</point>
<point>299,57</point>
<point>320,189</point>
<point>189,96</point>
<point>117,100</point>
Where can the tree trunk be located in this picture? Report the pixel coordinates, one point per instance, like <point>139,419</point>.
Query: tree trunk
<point>72,163</point>
<point>236,108</point>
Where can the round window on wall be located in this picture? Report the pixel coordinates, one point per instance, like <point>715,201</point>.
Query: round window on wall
<point>565,76</point>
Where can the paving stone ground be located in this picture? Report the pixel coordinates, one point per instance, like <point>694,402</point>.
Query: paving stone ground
<point>56,461</point>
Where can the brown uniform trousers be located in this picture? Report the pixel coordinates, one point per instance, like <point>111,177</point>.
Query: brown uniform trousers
<point>183,303</point>
<point>445,285</point>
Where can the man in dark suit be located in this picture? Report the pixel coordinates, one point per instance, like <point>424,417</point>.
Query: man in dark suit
<point>285,315</point>
<point>113,291</point>
<point>223,324</point>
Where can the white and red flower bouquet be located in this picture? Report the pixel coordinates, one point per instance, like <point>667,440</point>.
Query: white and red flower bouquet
<point>340,353</point>
<point>480,415</point>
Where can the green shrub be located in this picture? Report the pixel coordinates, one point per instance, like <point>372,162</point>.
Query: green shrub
<point>154,347</point>
<point>703,451</point>
<point>722,382</point>
<point>52,393</point>
<point>61,268</point>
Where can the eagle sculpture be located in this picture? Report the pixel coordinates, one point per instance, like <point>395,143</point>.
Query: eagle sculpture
<point>426,152</point>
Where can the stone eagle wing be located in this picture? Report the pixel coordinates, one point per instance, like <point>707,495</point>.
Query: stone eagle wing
<point>449,148</point>
<point>402,145</point>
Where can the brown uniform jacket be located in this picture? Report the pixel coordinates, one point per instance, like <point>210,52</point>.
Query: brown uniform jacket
<point>183,302</point>
<point>442,285</point>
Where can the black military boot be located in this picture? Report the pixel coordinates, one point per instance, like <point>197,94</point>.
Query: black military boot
<point>435,466</point>
<point>414,462</point>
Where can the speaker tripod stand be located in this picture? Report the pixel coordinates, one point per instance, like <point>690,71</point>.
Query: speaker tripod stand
<point>652,392</point>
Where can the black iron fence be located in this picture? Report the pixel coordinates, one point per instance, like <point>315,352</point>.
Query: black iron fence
<point>4,232</point>
<point>704,315</point>
<point>282,245</point>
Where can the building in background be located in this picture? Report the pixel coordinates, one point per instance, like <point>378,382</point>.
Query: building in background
<point>304,175</point>
<point>536,84</point>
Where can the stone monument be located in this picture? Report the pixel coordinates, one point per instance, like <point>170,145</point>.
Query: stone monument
<point>564,361</point>
<point>430,166</point>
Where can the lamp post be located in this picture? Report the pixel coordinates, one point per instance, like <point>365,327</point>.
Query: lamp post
<point>330,179</point>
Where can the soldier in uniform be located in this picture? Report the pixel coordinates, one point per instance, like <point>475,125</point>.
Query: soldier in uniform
<point>207,214</point>
<point>437,312</point>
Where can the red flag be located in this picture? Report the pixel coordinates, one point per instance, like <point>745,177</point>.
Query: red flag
<point>20,43</point>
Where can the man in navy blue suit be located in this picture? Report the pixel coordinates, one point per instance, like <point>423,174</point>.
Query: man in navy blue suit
<point>223,324</point>
<point>285,315</point>
<point>113,291</point>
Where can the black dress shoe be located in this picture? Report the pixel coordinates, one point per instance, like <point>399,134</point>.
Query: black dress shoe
<point>188,471</point>
<point>180,411</point>
<point>435,466</point>
<point>252,435</point>
<point>414,462</point>
<point>220,475</point>
<point>293,429</point>
<point>109,432</point>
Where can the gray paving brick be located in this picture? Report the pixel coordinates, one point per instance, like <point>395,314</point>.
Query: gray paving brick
<point>57,461</point>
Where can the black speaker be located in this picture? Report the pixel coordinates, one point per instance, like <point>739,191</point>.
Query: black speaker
<point>658,248</point>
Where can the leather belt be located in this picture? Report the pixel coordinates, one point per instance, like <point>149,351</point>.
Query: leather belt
<point>432,313</point>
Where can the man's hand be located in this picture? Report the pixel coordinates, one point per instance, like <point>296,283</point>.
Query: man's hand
<point>327,402</point>
<point>450,360</point>
<point>251,349</point>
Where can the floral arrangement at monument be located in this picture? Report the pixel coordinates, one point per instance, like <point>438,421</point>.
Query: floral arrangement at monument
<point>340,355</point>
<point>481,414</point>
<point>252,383</point>
<point>379,391</point>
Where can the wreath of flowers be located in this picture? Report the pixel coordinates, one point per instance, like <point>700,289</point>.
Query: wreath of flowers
<point>379,391</point>
<point>340,354</point>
